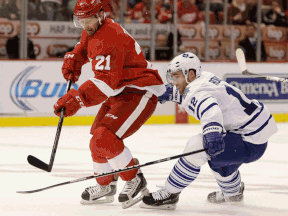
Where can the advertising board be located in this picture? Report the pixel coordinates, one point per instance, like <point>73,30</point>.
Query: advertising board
<point>32,87</point>
<point>260,89</point>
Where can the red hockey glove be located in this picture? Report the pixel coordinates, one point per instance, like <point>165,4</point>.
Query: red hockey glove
<point>72,64</point>
<point>72,102</point>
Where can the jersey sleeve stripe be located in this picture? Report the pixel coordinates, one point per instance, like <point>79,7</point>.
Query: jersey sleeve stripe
<point>212,124</point>
<point>210,106</point>
<point>259,129</point>
<point>252,119</point>
<point>198,108</point>
<point>106,89</point>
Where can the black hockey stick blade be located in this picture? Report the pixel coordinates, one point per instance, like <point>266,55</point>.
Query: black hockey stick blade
<point>115,171</point>
<point>38,163</point>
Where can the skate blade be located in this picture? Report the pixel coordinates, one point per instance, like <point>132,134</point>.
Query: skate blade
<point>227,202</point>
<point>162,207</point>
<point>134,201</point>
<point>107,199</point>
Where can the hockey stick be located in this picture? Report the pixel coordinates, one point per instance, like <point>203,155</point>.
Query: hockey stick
<point>40,164</point>
<point>242,63</point>
<point>115,171</point>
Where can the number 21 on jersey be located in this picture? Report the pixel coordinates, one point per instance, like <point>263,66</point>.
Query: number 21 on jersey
<point>103,63</point>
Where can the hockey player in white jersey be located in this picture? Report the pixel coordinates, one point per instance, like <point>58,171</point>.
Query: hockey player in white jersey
<point>235,130</point>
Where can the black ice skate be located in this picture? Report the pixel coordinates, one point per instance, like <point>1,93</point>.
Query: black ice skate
<point>218,197</point>
<point>93,194</point>
<point>128,196</point>
<point>161,199</point>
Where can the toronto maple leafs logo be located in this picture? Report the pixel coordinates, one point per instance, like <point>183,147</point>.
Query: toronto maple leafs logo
<point>185,55</point>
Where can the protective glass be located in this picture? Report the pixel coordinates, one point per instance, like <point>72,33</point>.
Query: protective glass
<point>85,22</point>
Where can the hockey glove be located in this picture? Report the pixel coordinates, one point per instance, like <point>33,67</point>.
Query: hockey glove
<point>171,94</point>
<point>72,64</point>
<point>213,140</point>
<point>71,102</point>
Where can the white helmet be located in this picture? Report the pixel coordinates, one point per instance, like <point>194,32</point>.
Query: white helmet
<point>184,62</point>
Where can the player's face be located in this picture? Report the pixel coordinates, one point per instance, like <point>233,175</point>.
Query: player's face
<point>90,24</point>
<point>179,81</point>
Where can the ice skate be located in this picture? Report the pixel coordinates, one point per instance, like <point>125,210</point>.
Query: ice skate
<point>128,196</point>
<point>218,197</point>
<point>161,199</point>
<point>99,194</point>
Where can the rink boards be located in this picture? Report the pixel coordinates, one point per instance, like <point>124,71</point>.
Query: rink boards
<point>29,90</point>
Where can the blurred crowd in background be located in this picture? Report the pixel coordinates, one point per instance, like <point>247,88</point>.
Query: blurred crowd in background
<point>240,12</point>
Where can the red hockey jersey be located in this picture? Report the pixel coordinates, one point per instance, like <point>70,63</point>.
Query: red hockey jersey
<point>118,61</point>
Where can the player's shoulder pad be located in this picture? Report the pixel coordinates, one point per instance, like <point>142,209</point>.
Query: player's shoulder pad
<point>198,85</point>
<point>113,28</point>
<point>199,90</point>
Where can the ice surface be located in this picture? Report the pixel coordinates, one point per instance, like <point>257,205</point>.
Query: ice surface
<point>266,180</point>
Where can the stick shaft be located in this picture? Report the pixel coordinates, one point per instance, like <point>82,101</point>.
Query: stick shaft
<point>115,171</point>
<point>59,128</point>
<point>271,78</point>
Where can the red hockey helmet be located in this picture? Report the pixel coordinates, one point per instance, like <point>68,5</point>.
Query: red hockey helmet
<point>87,8</point>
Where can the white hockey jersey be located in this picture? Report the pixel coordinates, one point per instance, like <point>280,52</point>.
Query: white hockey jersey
<point>210,99</point>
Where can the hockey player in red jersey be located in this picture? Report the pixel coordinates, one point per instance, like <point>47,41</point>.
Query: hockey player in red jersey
<point>127,85</point>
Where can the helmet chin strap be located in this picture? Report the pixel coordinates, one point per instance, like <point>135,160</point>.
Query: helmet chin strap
<point>186,76</point>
